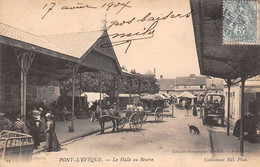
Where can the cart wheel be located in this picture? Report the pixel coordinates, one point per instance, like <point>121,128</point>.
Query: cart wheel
<point>122,123</point>
<point>135,122</point>
<point>145,116</point>
<point>158,114</point>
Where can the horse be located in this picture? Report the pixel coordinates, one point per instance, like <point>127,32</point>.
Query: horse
<point>108,115</point>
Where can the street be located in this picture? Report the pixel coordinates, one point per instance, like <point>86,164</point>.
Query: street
<point>170,138</point>
<point>157,143</point>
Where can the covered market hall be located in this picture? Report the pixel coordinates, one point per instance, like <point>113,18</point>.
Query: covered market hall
<point>234,63</point>
<point>32,65</point>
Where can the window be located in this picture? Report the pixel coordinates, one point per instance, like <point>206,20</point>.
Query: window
<point>51,89</point>
<point>201,86</point>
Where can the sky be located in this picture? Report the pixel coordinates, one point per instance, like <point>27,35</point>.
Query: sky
<point>169,46</point>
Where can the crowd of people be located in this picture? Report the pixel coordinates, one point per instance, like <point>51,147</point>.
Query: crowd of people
<point>36,119</point>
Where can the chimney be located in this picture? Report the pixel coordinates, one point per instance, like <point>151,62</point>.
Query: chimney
<point>192,75</point>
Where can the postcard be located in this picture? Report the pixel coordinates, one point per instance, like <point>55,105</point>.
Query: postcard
<point>118,83</point>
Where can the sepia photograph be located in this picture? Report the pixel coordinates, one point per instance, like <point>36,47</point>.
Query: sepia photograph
<point>123,83</point>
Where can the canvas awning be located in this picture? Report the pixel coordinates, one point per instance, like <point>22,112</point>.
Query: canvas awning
<point>127,95</point>
<point>187,95</point>
<point>91,96</point>
<point>152,97</point>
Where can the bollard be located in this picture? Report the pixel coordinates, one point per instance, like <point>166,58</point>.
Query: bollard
<point>172,110</point>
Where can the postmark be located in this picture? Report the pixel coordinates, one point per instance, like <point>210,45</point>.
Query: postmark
<point>240,22</point>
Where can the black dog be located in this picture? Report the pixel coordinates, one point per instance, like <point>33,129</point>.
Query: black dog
<point>194,128</point>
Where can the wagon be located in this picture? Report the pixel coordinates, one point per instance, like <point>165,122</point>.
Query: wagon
<point>133,116</point>
<point>214,108</point>
<point>153,106</point>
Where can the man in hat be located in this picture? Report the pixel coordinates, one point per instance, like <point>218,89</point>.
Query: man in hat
<point>19,125</point>
<point>5,123</point>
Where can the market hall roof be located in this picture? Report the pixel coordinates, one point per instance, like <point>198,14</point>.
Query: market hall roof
<point>216,59</point>
<point>83,47</point>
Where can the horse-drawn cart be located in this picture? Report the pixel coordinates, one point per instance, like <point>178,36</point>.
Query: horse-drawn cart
<point>132,115</point>
<point>153,106</point>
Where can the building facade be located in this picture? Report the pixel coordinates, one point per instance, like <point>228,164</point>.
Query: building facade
<point>193,84</point>
<point>252,97</point>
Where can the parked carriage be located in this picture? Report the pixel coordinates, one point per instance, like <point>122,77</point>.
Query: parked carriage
<point>130,115</point>
<point>133,116</point>
<point>214,108</point>
<point>153,106</point>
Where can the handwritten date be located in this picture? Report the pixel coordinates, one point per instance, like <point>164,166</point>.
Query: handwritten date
<point>106,6</point>
<point>115,5</point>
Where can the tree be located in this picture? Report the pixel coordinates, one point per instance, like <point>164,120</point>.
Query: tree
<point>90,82</point>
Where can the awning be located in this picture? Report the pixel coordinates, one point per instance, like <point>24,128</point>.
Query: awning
<point>152,97</point>
<point>187,95</point>
<point>91,96</point>
<point>127,95</point>
<point>83,48</point>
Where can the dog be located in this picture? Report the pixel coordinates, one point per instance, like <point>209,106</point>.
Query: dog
<point>194,128</point>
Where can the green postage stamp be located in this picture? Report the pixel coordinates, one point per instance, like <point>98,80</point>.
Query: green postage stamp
<point>241,22</point>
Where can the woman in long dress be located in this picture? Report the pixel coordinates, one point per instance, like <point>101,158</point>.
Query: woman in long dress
<point>52,143</point>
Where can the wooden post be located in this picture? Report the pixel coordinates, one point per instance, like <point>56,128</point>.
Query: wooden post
<point>118,88</point>
<point>24,94</point>
<point>25,60</point>
<point>73,100</point>
<point>100,89</point>
<point>139,87</point>
<point>242,116</point>
<point>228,114</point>
<point>22,88</point>
<point>130,90</point>
<point>80,90</point>
<point>74,72</point>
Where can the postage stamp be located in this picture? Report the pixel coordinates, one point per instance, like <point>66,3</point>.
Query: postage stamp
<point>241,22</point>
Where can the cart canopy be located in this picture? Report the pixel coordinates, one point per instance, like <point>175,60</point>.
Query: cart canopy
<point>151,97</point>
<point>186,94</point>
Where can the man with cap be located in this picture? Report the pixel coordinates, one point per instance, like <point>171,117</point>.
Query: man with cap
<point>5,123</point>
<point>19,125</point>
